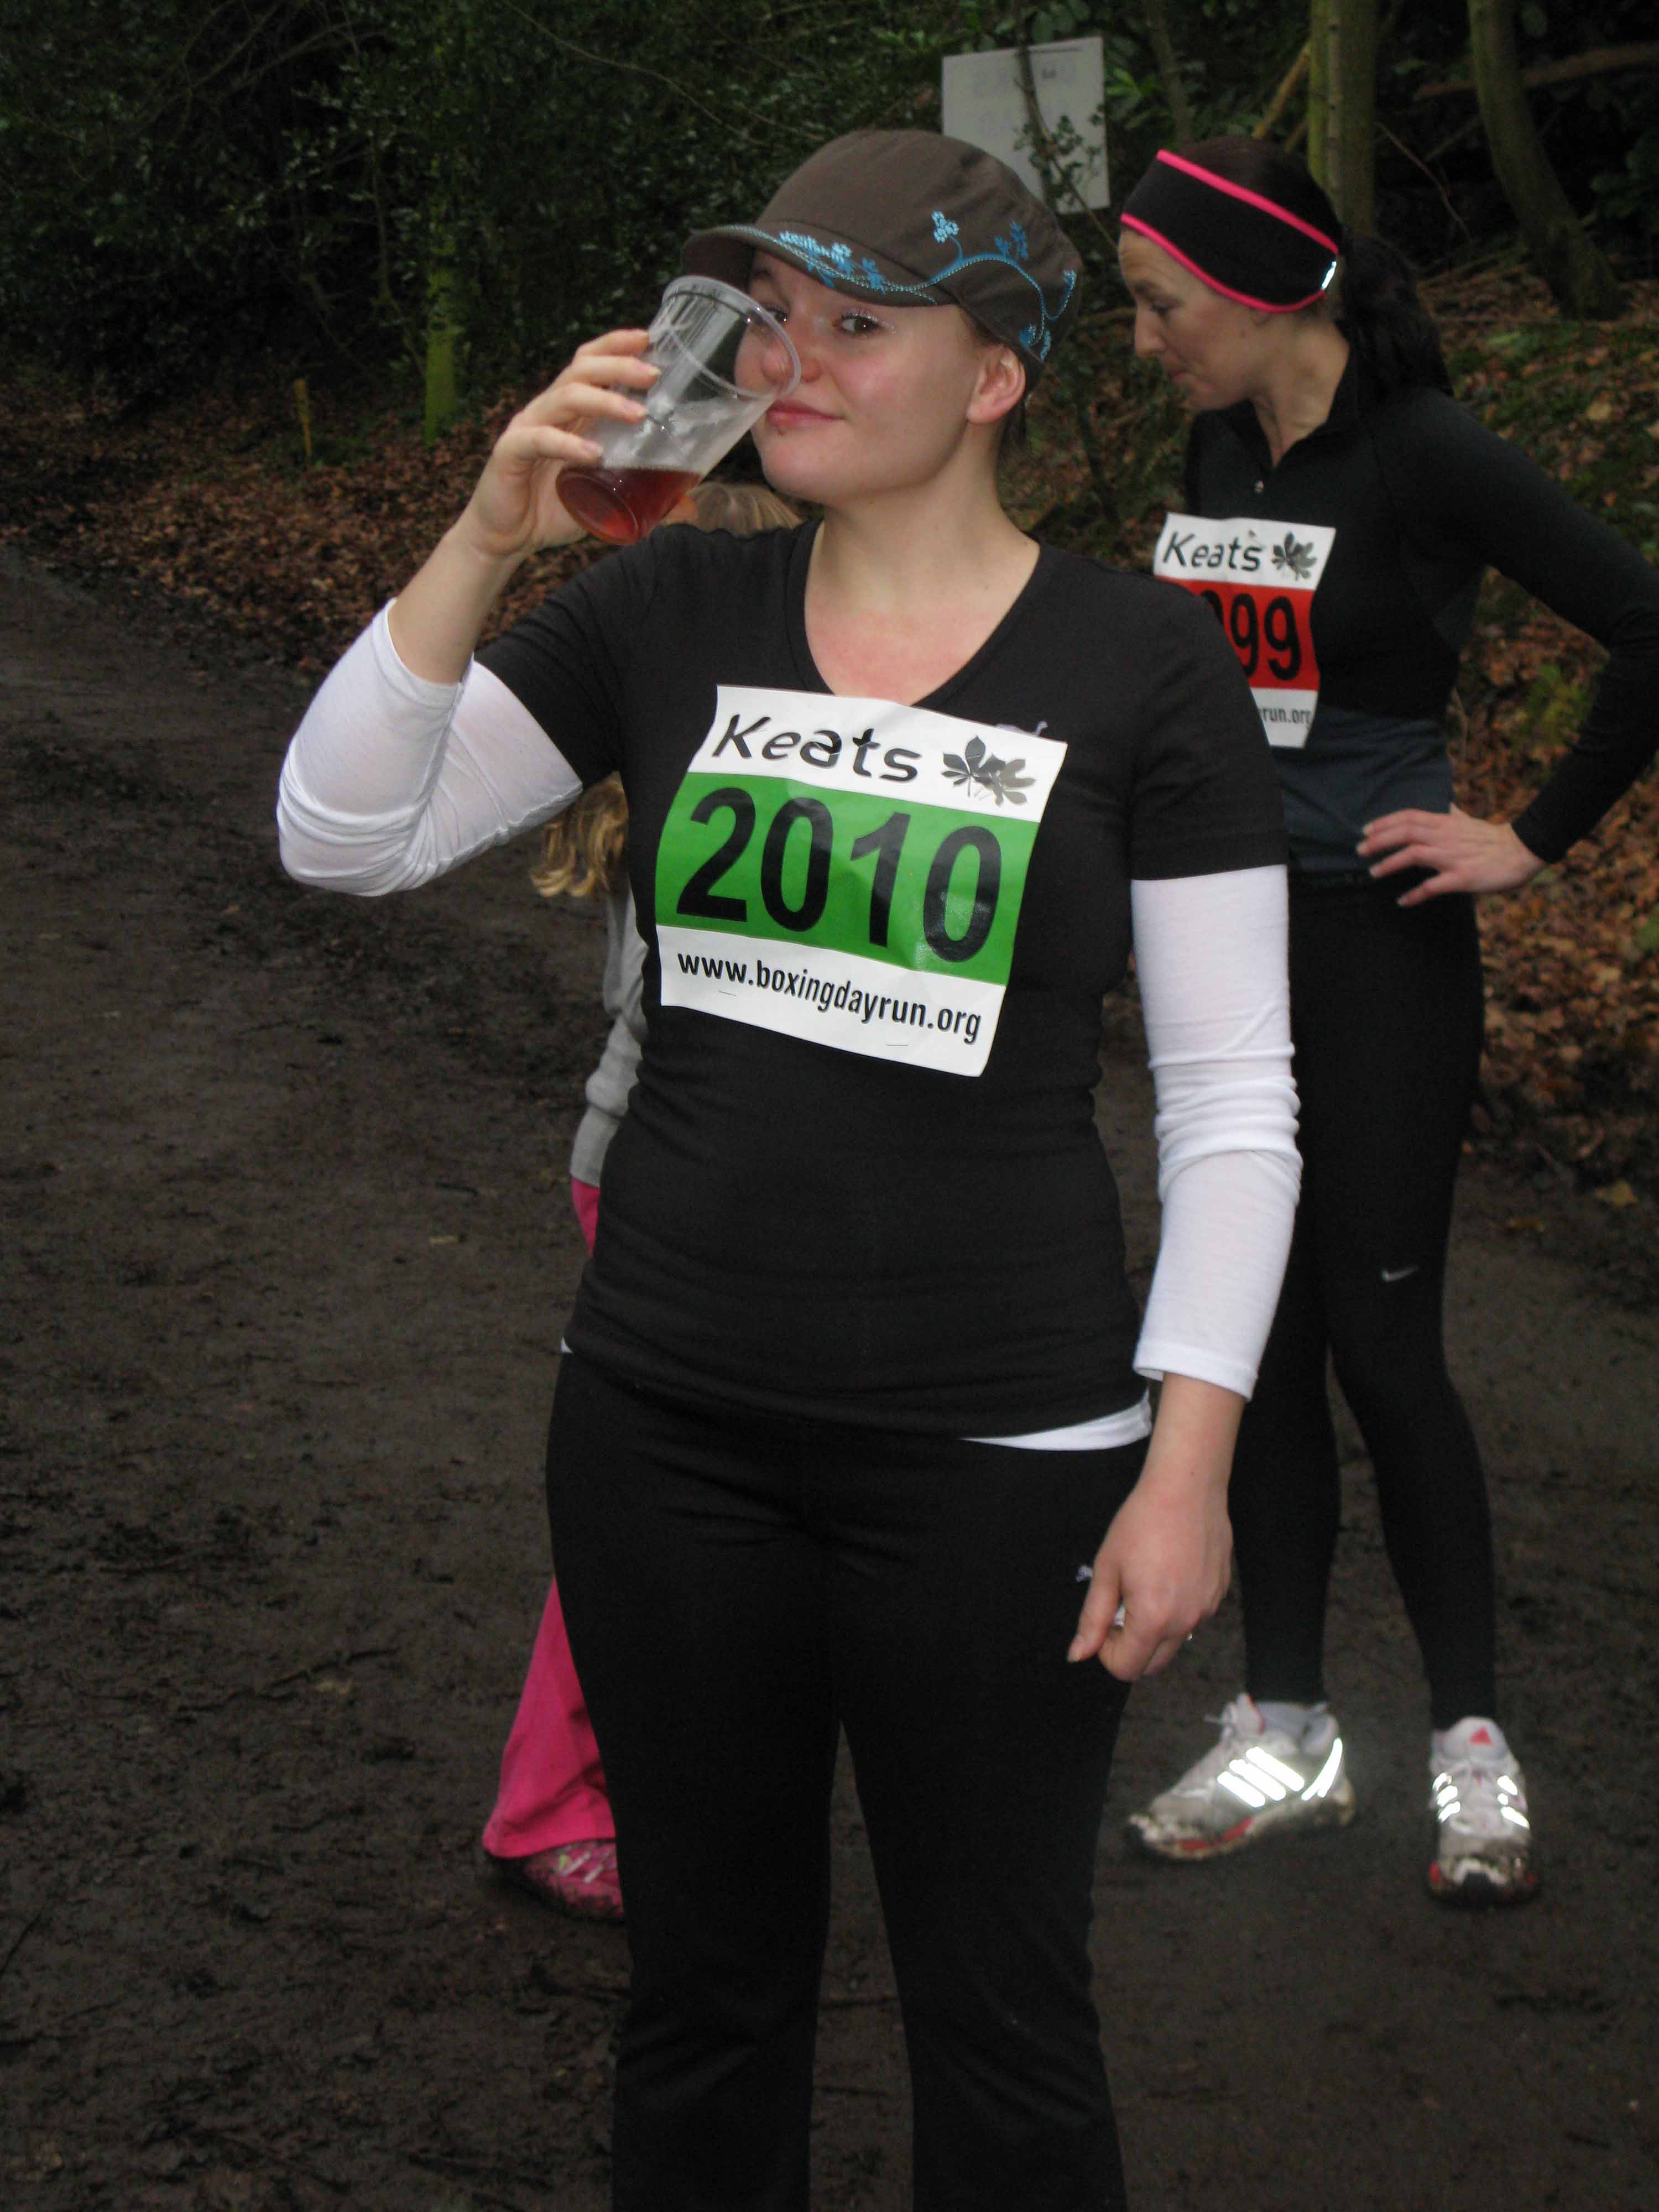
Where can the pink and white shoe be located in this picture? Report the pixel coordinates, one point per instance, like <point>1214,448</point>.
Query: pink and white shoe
<point>1484,1852</point>
<point>580,1879</point>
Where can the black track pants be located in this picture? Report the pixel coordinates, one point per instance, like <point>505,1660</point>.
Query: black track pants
<point>1385,1013</point>
<point>736,1591</point>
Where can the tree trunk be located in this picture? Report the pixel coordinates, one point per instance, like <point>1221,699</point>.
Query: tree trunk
<point>1342,106</point>
<point>1564,258</point>
<point>1168,70</point>
<point>443,336</point>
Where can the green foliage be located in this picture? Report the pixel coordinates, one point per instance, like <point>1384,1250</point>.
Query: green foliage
<point>192,180</point>
<point>1629,195</point>
<point>141,164</point>
<point>1588,119</point>
<point>187,182</point>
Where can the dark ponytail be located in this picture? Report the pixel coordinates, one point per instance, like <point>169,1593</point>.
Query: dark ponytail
<point>1379,313</point>
<point>1376,307</point>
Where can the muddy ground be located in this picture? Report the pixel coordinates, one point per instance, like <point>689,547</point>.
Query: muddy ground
<point>287,1256</point>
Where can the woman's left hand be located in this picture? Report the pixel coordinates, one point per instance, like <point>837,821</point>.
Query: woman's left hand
<point>1461,853</point>
<point>1167,1559</point>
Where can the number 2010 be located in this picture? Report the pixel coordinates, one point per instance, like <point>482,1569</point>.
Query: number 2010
<point>702,900</point>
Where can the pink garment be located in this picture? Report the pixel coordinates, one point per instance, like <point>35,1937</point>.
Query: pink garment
<point>584,1197</point>
<point>552,1787</point>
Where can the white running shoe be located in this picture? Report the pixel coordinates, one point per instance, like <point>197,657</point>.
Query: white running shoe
<point>1258,1781</point>
<point>1484,1850</point>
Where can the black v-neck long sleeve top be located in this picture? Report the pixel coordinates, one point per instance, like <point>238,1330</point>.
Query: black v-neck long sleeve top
<point>1423,498</point>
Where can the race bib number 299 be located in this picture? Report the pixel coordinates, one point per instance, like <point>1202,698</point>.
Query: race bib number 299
<point>851,872</point>
<point>1258,579</point>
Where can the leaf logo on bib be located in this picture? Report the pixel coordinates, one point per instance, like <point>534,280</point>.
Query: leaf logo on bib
<point>834,870</point>
<point>1295,560</point>
<point>975,765</point>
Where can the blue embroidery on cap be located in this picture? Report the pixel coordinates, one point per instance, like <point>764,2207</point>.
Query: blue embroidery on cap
<point>831,263</point>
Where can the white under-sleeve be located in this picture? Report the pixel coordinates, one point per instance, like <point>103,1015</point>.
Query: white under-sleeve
<point>1210,958</point>
<point>390,780</point>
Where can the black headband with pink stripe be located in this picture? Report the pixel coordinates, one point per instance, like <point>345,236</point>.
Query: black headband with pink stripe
<point>1238,242</point>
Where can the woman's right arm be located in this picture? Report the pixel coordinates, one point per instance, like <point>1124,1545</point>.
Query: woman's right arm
<point>390,781</point>
<point>410,759</point>
<point>515,510</point>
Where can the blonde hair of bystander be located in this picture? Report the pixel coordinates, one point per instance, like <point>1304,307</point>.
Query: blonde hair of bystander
<point>585,849</point>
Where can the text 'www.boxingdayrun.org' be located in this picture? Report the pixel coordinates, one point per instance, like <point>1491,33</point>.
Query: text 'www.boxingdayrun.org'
<point>828,996</point>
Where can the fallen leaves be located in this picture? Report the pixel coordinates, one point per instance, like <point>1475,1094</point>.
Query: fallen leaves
<point>1572,961</point>
<point>1618,1193</point>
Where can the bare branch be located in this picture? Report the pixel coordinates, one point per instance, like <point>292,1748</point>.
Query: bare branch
<point>1441,192</point>
<point>1287,92</point>
<point>1599,61</point>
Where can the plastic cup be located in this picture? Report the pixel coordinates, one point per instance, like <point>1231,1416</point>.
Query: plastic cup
<point>724,361</point>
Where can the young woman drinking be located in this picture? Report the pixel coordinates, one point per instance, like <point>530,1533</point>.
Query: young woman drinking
<point>852,1428</point>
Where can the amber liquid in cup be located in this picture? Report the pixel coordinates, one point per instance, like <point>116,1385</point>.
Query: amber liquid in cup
<point>721,360</point>
<point>622,504</point>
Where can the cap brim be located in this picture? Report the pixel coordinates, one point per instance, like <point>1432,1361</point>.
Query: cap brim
<point>717,254</point>
<point>729,254</point>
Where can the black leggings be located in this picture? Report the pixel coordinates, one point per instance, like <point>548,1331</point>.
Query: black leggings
<point>737,1590</point>
<point>1385,1013</point>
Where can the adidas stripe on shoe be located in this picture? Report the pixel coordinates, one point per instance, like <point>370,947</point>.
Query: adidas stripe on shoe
<point>1257,1782</point>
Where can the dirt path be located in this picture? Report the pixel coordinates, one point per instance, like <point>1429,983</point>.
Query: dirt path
<point>287,1256</point>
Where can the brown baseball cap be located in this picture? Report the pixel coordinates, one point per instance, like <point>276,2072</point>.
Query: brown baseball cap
<point>914,220</point>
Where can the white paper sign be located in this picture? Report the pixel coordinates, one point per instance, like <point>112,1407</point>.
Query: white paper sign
<point>984,102</point>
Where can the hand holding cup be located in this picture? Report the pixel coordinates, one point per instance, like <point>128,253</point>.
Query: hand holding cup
<point>515,509</point>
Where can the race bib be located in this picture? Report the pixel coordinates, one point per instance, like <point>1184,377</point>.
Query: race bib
<point>1258,579</point>
<point>851,872</point>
